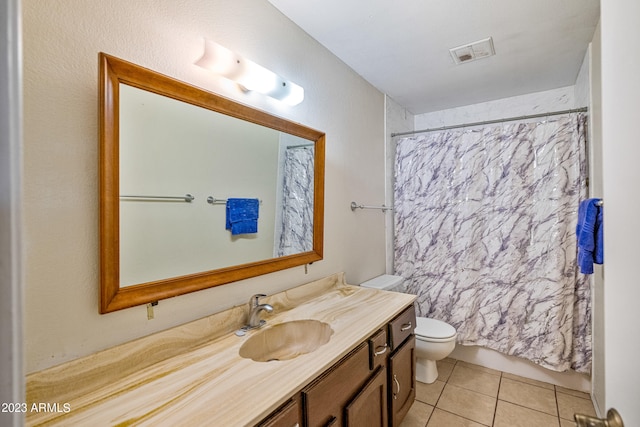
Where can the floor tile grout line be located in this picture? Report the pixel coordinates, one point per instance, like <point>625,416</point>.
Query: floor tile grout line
<point>555,399</point>
<point>573,395</point>
<point>555,394</point>
<point>532,409</point>
<point>459,416</point>
<point>446,382</point>
<point>495,408</point>
<point>482,369</point>
<point>535,385</point>
<point>435,405</point>
<point>476,391</point>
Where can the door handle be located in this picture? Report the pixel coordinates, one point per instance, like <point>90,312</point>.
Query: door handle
<point>613,420</point>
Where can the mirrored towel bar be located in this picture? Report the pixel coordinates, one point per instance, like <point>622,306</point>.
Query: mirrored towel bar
<point>186,198</point>
<point>214,201</point>
<point>384,208</point>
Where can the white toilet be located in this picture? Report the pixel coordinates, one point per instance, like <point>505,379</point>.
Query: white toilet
<point>435,339</point>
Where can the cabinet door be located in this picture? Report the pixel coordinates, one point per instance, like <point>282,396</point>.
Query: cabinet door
<point>286,416</point>
<point>369,407</point>
<point>325,399</point>
<point>402,381</point>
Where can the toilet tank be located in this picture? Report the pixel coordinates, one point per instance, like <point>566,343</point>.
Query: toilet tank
<point>386,282</point>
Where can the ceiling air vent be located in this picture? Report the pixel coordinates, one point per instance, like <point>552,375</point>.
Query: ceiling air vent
<point>473,51</point>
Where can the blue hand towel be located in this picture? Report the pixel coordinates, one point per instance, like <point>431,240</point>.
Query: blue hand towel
<point>242,216</point>
<point>589,232</point>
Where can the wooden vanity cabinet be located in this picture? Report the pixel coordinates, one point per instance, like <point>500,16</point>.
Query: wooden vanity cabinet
<point>373,386</point>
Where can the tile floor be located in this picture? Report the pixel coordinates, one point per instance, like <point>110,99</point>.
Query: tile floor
<point>467,395</point>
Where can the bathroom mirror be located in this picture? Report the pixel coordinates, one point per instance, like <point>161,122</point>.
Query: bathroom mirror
<point>171,155</point>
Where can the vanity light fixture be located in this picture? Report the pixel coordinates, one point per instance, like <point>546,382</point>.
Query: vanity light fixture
<point>249,75</point>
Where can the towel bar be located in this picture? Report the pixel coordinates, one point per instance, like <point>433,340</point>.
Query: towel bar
<point>186,198</point>
<point>384,208</point>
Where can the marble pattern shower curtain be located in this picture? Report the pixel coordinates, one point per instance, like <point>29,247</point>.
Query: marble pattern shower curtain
<point>485,236</point>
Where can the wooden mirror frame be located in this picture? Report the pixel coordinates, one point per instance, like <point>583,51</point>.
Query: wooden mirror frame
<point>113,72</point>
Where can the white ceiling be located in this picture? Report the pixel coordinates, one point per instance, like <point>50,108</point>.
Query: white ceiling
<point>402,46</point>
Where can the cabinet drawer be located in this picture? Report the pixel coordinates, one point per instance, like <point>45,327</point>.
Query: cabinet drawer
<point>401,327</point>
<point>378,349</point>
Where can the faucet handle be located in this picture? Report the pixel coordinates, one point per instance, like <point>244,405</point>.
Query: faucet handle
<point>255,300</point>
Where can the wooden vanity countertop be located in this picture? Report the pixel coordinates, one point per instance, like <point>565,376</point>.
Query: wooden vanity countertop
<point>203,380</point>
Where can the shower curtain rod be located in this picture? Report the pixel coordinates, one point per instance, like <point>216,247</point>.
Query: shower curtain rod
<point>299,146</point>
<point>487,122</point>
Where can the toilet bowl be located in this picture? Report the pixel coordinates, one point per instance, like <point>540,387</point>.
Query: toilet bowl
<point>435,339</point>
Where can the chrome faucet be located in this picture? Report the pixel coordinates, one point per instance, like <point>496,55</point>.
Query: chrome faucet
<point>254,311</point>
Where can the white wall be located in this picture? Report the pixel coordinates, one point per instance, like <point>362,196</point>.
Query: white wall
<point>62,39</point>
<point>620,27</point>
<point>397,119</point>
<point>533,103</point>
<point>596,190</point>
<point>11,255</point>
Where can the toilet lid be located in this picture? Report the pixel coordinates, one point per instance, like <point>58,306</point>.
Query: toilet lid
<point>433,328</point>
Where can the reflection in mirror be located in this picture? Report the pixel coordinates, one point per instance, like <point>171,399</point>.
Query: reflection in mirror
<point>172,147</point>
<point>294,227</point>
<point>172,155</point>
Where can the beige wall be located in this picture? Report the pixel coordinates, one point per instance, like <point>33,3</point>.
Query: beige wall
<point>62,39</point>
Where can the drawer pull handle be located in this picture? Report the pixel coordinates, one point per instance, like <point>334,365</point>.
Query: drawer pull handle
<point>395,379</point>
<point>405,327</point>
<point>331,422</point>
<point>382,351</point>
